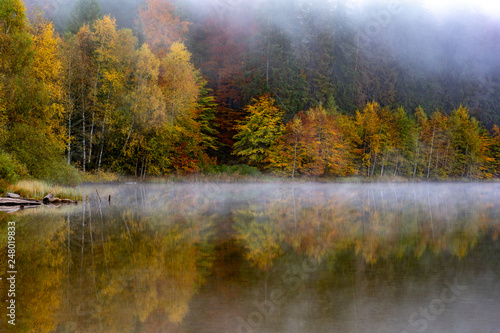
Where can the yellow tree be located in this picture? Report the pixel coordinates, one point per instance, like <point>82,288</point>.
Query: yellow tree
<point>161,128</point>
<point>369,127</point>
<point>105,36</point>
<point>494,151</point>
<point>15,58</point>
<point>147,106</point>
<point>312,144</point>
<point>469,145</point>
<point>47,68</point>
<point>84,69</point>
<point>403,140</point>
<point>333,147</point>
<point>315,124</point>
<point>116,84</point>
<point>284,156</point>
<point>178,81</point>
<point>389,137</point>
<point>309,159</point>
<point>439,145</point>
<point>15,41</point>
<point>259,131</point>
<point>31,69</point>
<point>68,51</point>
<point>30,66</point>
<point>350,136</point>
<point>421,129</point>
<point>147,101</point>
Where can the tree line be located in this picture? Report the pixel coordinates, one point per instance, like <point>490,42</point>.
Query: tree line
<point>376,141</point>
<point>97,97</point>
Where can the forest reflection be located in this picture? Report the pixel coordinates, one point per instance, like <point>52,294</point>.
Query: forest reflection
<point>139,263</point>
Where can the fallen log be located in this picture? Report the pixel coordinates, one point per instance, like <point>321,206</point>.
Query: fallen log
<point>49,199</point>
<point>11,203</point>
<point>19,202</point>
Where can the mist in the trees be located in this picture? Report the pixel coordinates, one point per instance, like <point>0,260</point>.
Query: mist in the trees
<point>371,88</point>
<point>398,53</point>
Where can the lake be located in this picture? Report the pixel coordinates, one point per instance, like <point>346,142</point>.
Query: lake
<point>302,257</point>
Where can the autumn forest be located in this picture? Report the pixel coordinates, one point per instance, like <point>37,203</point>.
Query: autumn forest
<point>287,88</point>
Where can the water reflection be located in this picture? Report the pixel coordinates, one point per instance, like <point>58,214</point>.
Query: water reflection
<point>262,258</point>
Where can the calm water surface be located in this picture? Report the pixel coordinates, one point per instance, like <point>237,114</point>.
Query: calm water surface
<point>261,258</point>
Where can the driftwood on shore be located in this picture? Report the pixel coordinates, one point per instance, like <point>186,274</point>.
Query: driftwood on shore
<point>13,202</point>
<point>49,199</point>
<point>19,202</point>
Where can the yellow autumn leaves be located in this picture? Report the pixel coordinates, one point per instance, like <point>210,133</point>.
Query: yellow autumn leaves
<point>377,141</point>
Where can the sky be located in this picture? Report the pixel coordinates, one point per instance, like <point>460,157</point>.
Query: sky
<point>487,6</point>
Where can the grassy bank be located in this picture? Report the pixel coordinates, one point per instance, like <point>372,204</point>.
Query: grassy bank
<point>35,189</point>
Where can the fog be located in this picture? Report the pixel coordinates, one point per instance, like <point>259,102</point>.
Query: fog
<point>394,257</point>
<point>488,7</point>
<point>439,203</point>
<point>264,257</point>
<point>434,54</point>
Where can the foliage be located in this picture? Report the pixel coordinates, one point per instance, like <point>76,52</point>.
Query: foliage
<point>166,100</point>
<point>15,41</point>
<point>238,170</point>
<point>178,81</point>
<point>41,157</point>
<point>469,148</point>
<point>36,189</point>
<point>85,12</point>
<point>100,176</point>
<point>494,152</point>
<point>313,146</point>
<point>10,169</point>
<point>262,127</point>
<point>161,27</point>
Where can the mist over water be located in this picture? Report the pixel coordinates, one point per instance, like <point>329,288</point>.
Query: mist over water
<point>310,257</point>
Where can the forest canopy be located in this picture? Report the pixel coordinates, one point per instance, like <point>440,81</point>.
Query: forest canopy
<point>291,88</point>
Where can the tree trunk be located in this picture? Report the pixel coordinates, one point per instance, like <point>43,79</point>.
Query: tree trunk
<point>466,164</point>
<point>382,168</point>
<point>374,165</point>
<point>437,161</point>
<point>95,101</point>
<point>430,154</point>
<point>128,136</point>
<point>445,163</point>
<point>417,153</point>
<point>70,108</point>
<point>83,127</point>
<point>397,163</point>
<point>294,157</point>
<point>91,135</point>
<point>103,129</point>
